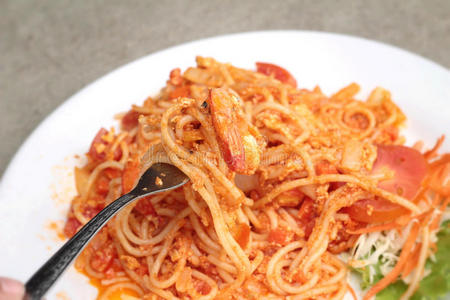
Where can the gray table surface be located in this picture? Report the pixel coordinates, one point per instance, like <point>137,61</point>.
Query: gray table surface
<point>50,49</point>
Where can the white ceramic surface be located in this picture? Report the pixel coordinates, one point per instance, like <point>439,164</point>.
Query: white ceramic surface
<point>37,186</point>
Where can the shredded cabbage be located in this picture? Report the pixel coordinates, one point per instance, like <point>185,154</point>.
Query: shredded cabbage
<point>377,252</point>
<point>436,284</point>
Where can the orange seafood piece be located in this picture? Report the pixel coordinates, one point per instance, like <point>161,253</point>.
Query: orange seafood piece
<point>240,142</point>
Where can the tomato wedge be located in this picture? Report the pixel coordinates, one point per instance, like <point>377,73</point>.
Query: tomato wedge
<point>276,71</point>
<point>409,167</point>
<point>375,210</point>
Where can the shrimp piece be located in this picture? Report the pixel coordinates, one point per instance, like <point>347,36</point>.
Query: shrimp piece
<point>239,141</point>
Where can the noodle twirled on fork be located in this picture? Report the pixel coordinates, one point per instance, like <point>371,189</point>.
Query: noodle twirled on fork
<point>282,180</point>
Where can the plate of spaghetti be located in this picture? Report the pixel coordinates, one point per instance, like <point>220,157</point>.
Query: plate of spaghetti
<point>303,183</point>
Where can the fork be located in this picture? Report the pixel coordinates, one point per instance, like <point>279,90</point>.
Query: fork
<point>158,178</point>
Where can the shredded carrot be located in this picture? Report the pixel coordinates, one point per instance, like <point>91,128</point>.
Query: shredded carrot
<point>387,226</point>
<point>412,261</point>
<point>436,199</point>
<point>404,256</point>
<point>392,225</point>
<point>436,221</point>
<point>423,189</point>
<point>432,152</point>
<point>439,180</point>
<point>432,180</point>
<point>352,291</point>
<point>445,204</point>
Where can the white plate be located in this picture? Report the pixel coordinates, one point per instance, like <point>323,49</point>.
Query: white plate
<point>38,184</point>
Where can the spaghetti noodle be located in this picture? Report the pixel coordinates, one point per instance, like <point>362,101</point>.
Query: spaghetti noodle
<point>282,180</point>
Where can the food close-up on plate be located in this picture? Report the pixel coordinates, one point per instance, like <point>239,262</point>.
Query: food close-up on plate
<point>318,169</point>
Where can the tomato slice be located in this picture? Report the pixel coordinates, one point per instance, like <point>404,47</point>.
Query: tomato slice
<point>276,71</point>
<point>375,210</point>
<point>409,167</point>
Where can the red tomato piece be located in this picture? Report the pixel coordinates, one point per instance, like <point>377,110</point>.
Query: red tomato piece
<point>129,176</point>
<point>112,173</point>
<point>130,120</point>
<point>392,132</point>
<point>102,258</point>
<point>99,147</point>
<point>142,270</point>
<point>276,71</point>
<point>241,234</point>
<point>145,207</point>
<point>117,154</point>
<point>280,236</point>
<point>71,227</point>
<point>95,142</point>
<point>92,211</point>
<point>180,91</point>
<point>102,186</point>
<point>324,167</point>
<point>175,77</point>
<point>409,167</point>
<point>375,210</point>
<point>307,216</point>
<point>114,268</point>
<point>202,287</point>
<point>116,265</point>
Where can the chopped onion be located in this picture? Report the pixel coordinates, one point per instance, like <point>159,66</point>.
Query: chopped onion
<point>352,156</point>
<point>246,182</point>
<point>309,190</point>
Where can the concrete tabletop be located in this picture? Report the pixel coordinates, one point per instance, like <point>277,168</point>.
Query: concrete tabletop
<point>51,49</point>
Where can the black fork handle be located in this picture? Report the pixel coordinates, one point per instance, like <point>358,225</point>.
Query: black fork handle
<point>45,277</point>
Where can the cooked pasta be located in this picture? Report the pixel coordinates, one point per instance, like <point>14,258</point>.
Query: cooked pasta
<point>282,181</point>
